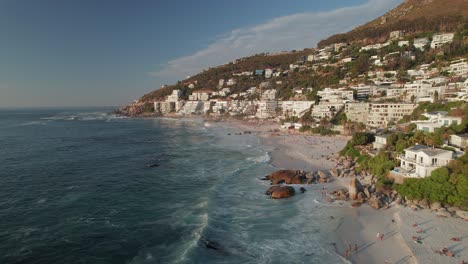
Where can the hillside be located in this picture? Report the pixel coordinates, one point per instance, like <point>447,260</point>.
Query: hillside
<point>413,16</point>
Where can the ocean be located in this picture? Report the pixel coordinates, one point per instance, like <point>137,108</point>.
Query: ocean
<point>75,187</point>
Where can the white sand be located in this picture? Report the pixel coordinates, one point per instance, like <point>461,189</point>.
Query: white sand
<point>360,225</point>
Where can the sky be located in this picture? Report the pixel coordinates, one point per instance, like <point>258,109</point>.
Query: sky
<point>110,52</point>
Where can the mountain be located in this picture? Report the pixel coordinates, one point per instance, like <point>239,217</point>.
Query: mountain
<point>413,16</point>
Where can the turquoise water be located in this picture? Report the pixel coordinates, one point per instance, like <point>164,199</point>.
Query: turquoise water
<point>75,188</point>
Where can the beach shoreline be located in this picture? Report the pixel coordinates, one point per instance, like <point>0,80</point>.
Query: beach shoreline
<point>359,226</point>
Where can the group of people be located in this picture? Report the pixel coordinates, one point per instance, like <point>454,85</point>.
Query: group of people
<point>349,250</point>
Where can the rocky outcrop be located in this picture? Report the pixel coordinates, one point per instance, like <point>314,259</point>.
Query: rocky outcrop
<point>281,192</point>
<point>462,214</point>
<point>287,176</point>
<point>354,188</point>
<point>375,202</point>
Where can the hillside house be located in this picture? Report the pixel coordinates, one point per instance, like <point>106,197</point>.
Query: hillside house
<point>420,161</point>
<point>380,142</point>
<point>460,141</point>
<point>438,40</point>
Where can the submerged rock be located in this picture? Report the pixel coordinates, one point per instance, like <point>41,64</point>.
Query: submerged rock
<point>282,192</point>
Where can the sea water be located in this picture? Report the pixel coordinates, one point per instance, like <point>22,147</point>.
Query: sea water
<point>75,187</point>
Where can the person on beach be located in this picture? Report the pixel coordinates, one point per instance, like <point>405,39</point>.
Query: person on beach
<point>356,248</point>
<point>350,248</point>
<point>346,254</point>
<point>382,236</point>
<point>378,236</point>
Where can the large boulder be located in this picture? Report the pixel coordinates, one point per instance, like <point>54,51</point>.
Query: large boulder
<point>282,192</point>
<point>272,189</point>
<point>287,176</point>
<point>361,197</point>
<point>334,173</point>
<point>322,175</point>
<point>375,202</point>
<point>347,164</point>
<point>444,214</point>
<point>436,206</point>
<point>462,214</point>
<point>424,204</point>
<point>354,188</point>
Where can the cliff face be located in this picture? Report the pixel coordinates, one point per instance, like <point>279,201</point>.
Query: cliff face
<point>412,16</point>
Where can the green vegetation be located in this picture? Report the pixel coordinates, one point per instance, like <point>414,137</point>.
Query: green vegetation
<point>448,185</point>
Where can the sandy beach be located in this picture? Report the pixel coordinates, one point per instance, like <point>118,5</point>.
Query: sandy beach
<point>359,226</point>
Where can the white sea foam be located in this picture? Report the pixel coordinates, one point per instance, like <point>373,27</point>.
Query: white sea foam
<point>33,123</point>
<point>265,158</point>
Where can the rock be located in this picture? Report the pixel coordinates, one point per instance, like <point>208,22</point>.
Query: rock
<point>354,188</point>
<point>453,209</point>
<point>398,200</point>
<point>322,175</point>
<point>436,206</point>
<point>367,192</point>
<point>414,207</point>
<point>334,173</point>
<point>330,199</point>
<point>361,197</point>
<point>283,192</point>
<point>443,214</point>
<point>303,190</point>
<point>347,164</point>
<point>356,204</point>
<point>342,173</point>
<point>271,189</point>
<point>309,175</point>
<point>424,204</point>
<point>152,165</point>
<point>287,176</point>
<point>375,202</point>
<point>462,214</point>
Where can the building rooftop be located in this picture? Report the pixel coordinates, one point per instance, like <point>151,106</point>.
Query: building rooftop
<point>465,136</point>
<point>430,151</point>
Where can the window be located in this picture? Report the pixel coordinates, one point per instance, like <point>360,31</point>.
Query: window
<point>434,161</point>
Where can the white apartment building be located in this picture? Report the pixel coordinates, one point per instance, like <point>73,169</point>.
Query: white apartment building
<point>357,112</point>
<point>199,96</point>
<point>175,96</point>
<point>268,73</point>
<point>266,109</point>
<point>269,94</point>
<point>396,34</point>
<point>336,95</point>
<point>231,82</point>
<point>326,110</point>
<point>381,114</point>
<point>420,161</point>
<point>403,43</point>
<point>459,68</point>
<point>193,107</point>
<point>295,108</point>
<point>440,39</point>
<point>420,43</point>
<point>167,107</point>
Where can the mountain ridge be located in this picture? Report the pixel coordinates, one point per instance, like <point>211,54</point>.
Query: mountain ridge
<point>413,16</point>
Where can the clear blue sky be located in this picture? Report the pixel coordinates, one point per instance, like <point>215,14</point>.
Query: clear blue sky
<point>109,52</point>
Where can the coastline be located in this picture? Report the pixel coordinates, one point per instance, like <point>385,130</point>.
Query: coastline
<point>293,150</point>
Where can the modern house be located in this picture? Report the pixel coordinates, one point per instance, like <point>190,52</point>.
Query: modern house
<point>436,120</point>
<point>419,161</point>
<point>460,141</point>
<point>380,141</point>
<point>440,39</point>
